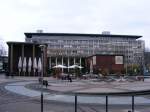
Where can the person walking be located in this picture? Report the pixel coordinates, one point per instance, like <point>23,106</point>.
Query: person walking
<point>69,78</point>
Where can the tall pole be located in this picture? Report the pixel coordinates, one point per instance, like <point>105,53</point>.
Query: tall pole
<point>42,72</point>
<point>127,63</point>
<point>126,69</point>
<point>106,104</point>
<point>75,103</point>
<point>68,64</point>
<point>42,83</point>
<point>132,103</point>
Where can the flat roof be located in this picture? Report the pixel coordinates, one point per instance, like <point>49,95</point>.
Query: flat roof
<point>29,35</point>
<point>25,43</point>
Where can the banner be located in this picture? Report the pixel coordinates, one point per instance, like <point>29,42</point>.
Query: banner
<point>118,59</point>
<point>94,60</point>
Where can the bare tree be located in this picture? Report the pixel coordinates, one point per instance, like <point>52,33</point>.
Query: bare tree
<point>147,49</point>
<point>3,51</point>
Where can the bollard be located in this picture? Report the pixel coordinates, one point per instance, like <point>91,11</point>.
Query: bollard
<point>132,103</point>
<point>106,103</point>
<point>75,103</point>
<point>41,102</point>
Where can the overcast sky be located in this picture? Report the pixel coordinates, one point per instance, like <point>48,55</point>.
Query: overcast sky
<point>74,16</point>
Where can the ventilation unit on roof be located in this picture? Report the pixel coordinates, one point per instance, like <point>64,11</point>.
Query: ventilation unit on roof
<point>106,32</point>
<point>39,31</point>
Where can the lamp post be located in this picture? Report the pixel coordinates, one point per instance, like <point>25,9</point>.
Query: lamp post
<point>42,73</point>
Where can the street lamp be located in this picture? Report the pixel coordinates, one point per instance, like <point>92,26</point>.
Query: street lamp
<point>42,73</point>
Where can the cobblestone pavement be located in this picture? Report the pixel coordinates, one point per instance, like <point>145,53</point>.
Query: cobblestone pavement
<point>12,102</point>
<point>89,86</point>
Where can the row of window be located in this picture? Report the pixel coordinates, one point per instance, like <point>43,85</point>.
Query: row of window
<point>100,40</point>
<point>97,47</point>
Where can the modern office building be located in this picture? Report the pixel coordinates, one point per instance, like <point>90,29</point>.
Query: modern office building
<point>72,48</point>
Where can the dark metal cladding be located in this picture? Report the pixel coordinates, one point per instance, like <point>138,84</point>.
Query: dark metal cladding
<point>29,35</point>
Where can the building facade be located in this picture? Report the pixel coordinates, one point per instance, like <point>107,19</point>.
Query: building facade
<point>147,61</point>
<point>71,48</point>
<point>109,64</point>
<point>26,51</point>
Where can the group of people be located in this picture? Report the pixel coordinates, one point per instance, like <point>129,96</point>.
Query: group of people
<point>7,74</point>
<point>67,77</point>
<point>44,82</point>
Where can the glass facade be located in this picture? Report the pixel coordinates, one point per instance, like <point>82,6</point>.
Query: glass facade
<point>82,46</point>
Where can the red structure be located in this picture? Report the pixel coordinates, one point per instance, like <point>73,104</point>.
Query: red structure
<point>108,63</point>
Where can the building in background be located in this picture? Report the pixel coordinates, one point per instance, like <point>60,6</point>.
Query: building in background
<point>75,49</point>
<point>147,61</point>
<point>72,48</point>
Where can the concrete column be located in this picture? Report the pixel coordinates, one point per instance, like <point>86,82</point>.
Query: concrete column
<point>22,53</point>
<point>80,63</point>
<point>33,56</point>
<point>56,60</point>
<point>62,62</point>
<point>11,58</point>
<point>44,60</point>
<point>74,61</point>
<point>68,64</point>
<point>50,62</point>
<point>91,66</point>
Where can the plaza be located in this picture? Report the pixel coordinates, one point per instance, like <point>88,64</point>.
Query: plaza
<point>61,93</point>
<point>74,56</point>
<point>102,61</point>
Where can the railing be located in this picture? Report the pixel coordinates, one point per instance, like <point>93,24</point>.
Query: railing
<point>132,94</point>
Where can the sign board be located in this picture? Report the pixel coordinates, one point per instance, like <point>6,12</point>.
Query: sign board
<point>118,59</point>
